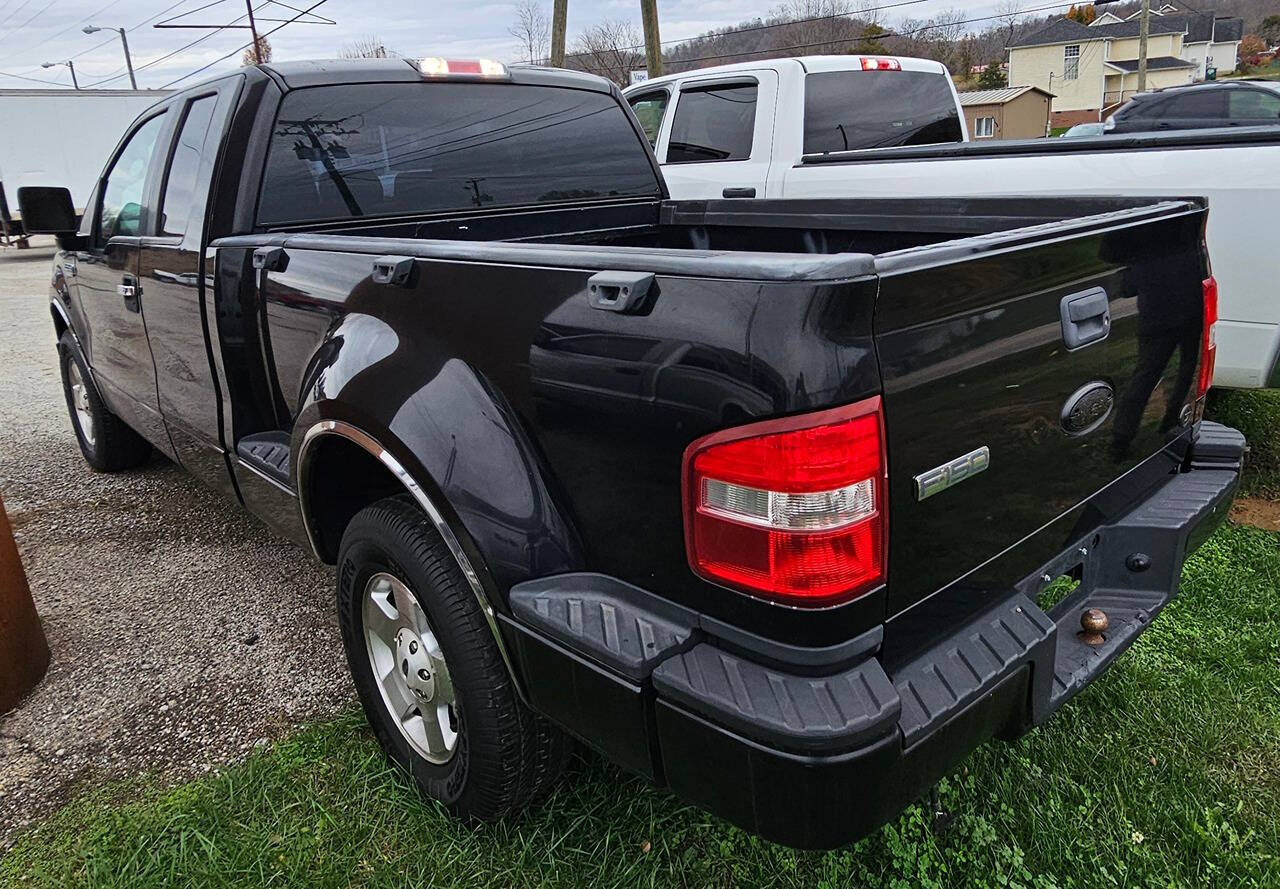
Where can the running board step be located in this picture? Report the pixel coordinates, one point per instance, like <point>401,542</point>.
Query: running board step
<point>268,453</point>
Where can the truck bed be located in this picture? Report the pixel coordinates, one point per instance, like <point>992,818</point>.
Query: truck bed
<point>955,314</point>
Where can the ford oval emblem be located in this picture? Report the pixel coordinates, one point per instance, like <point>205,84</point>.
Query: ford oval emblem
<point>1087,408</point>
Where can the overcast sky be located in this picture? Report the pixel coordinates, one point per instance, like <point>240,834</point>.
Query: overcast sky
<point>36,31</point>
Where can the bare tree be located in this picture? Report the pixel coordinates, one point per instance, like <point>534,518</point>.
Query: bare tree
<point>262,56</point>
<point>611,49</point>
<point>367,47</point>
<point>532,28</point>
<point>1009,13</point>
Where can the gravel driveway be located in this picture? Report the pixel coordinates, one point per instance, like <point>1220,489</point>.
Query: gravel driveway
<point>183,631</point>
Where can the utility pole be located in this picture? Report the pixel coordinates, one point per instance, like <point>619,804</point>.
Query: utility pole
<point>253,31</point>
<point>1143,29</point>
<point>75,84</point>
<point>128,60</point>
<point>559,21</point>
<point>652,42</point>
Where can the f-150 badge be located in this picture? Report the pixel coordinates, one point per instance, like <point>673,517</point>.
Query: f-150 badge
<point>942,477</point>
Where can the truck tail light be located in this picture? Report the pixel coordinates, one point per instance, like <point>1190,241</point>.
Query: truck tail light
<point>437,67</point>
<point>881,65</point>
<point>792,510</point>
<point>1209,343</point>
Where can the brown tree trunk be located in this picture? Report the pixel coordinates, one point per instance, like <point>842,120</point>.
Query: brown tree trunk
<point>24,653</point>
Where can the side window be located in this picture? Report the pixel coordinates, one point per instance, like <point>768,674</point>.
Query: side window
<point>1195,103</point>
<point>713,123</point>
<point>180,185</point>
<point>649,109</point>
<point>122,195</point>
<point>1253,105</point>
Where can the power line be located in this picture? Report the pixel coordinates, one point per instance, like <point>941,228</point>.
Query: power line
<point>767,26</point>
<point>71,27</point>
<point>306,11</point>
<point>13,12</point>
<point>32,79</point>
<point>41,11</point>
<point>121,73</point>
<point>844,40</point>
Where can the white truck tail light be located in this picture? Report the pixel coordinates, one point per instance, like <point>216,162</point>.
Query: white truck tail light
<point>881,65</point>
<point>1209,342</point>
<point>792,510</point>
<point>434,66</point>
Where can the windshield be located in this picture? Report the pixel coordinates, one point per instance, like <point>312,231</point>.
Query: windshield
<point>847,110</point>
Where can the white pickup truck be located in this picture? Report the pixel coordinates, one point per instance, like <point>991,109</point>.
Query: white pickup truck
<point>874,127</point>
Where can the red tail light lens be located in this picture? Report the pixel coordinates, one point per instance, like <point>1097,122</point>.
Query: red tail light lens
<point>881,65</point>
<point>792,510</point>
<point>1209,344</point>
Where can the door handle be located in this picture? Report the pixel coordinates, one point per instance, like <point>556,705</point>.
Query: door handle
<point>130,290</point>
<point>1086,318</point>
<point>738,193</point>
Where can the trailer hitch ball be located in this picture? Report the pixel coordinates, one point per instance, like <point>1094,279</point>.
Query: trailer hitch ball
<point>1093,622</point>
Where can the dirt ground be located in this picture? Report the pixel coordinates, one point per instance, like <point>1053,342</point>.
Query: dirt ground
<point>183,631</point>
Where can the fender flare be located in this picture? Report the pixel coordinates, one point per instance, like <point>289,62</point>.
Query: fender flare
<point>372,446</point>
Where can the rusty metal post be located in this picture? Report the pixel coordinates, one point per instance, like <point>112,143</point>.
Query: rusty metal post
<point>24,652</point>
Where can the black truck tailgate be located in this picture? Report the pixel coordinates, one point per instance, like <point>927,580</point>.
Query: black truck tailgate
<point>1024,371</point>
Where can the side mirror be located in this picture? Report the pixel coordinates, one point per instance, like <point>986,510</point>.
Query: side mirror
<point>47,210</point>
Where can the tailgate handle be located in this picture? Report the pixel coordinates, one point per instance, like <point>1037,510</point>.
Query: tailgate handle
<point>1086,318</point>
<point>394,270</point>
<point>624,292</point>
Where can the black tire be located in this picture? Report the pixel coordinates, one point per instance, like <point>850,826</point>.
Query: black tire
<point>111,446</point>
<point>506,756</point>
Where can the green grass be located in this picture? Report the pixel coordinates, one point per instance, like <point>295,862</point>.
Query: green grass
<point>1256,413</point>
<point>1165,773</point>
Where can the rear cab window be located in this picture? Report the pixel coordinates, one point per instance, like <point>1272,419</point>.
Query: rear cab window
<point>179,197</point>
<point>393,149</point>
<point>713,123</point>
<point>850,110</point>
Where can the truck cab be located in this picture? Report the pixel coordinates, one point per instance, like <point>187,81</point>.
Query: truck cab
<point>732,130</point>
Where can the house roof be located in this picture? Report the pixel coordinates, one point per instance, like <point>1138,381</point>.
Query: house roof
<point>1065,30</point>
<point>998,97</point>
<point>1159,63</point>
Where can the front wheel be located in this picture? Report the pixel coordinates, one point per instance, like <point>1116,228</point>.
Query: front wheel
<point>428,671</point>
<point>107,443</point>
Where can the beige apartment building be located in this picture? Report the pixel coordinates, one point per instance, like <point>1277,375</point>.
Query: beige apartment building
<point>1093,69</point>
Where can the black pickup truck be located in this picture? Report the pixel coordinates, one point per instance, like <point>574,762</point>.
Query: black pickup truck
<point>760,499</point>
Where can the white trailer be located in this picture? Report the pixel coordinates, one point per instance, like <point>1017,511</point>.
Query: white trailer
<point>61,137</point>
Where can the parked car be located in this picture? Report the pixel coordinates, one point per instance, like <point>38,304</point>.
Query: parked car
<point>792,153</point>
<point>1084,129</point>
<point>1199,106</point>
<point>754,497</point>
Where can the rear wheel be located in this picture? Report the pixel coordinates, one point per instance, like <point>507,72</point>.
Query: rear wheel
<point>428,671</point>
<point>107,443</point>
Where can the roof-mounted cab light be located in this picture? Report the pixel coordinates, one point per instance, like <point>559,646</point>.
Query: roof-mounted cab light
<point>434,66</point>
<point>881,65</point>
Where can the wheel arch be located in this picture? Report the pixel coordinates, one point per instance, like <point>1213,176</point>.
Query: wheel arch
<point>370,472</point>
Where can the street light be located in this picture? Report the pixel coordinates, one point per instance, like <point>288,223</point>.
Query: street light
<point>70,64</point>
<point>93,29</point>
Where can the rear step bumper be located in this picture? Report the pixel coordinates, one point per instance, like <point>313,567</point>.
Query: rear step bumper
<point>818,761</point>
